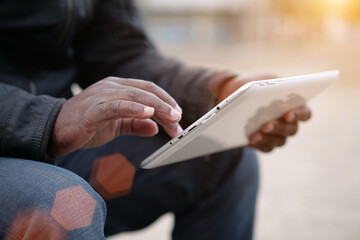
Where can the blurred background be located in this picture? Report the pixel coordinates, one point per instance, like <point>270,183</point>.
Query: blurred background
<point>310,189</point>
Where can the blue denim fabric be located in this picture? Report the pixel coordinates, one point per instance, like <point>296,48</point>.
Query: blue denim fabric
<point>38,200</point>
<point>212,197</point>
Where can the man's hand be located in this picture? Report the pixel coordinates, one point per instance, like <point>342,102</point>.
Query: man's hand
<point>113,107</point>
<point>274,133</point>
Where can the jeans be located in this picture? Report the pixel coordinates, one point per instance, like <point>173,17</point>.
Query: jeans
<point>44,202</point>
<point>212,197</point>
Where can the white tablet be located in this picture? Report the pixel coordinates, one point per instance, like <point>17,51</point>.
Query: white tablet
<point>229,124</point>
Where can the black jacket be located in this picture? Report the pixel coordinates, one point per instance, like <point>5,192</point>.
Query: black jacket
<point>46,45</point>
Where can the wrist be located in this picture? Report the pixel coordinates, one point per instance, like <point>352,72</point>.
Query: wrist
<point>230,86</point>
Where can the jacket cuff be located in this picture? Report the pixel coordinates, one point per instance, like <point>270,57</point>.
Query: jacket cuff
<point>50,122</point>
<point>28,124</point>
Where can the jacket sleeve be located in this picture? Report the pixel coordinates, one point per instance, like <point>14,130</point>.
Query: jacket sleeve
<point>115,44</point>
<point>25,123</point>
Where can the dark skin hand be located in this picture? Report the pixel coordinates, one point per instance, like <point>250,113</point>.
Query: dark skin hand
<point>113,107</point>
<point>274,133</point>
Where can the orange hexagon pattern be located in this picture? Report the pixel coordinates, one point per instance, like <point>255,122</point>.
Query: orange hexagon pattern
<point>112,176</point>
<point>73,208</point>
<point>34,224</point>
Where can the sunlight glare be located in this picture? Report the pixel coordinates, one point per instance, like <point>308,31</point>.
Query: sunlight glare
<point>337,3</point>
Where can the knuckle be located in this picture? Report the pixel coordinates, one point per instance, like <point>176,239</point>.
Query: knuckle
<point>96,115</point>
<point>108,83</point>
<point>110,111</point>
<point>133,108</point>
<point>266,149</point>
<point>167,125</point>
<point>277,127</point>
<point>160,106</point>
<point>171,126</point>
<point>107,79</point>
<point>110,78</point>
<point>281,142</point>
<point>115,106</point>
<point>293,130</point>
<point>303,114</point>
<point>150,85</point>
<point>133,93</point>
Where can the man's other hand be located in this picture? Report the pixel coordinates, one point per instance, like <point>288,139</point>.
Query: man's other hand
<point>274,133</point>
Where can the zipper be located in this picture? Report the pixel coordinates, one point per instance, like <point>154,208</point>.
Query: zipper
<point>67,24</point>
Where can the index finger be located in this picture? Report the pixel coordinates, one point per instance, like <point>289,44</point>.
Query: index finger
<point>151,87</point>
<point>298,114</point>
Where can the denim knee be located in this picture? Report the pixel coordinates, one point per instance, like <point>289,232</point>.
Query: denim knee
<point>47,202</point>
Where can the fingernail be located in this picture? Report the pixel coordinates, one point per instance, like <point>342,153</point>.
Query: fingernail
<point>268,128</point>
<point>175,115</point>
<point>178,108</point>
<point>149,111</point>
<point>256,139</point>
